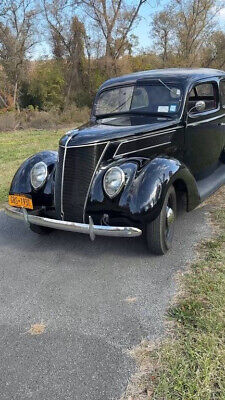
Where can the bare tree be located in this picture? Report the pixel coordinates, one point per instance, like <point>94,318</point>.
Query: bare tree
<point>67,38</point>
<point>163,32</point>
<point>3,7</point>
<point>115,20</point>
<point>182,29</point>
<point>16,39</point>
<point>59,15</point>
<point>213,52</point>
<point>194,22</point>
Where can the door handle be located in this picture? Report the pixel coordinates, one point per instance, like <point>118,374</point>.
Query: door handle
<point>221,124</point>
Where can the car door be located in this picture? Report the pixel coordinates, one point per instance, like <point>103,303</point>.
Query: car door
<point>203,136</point>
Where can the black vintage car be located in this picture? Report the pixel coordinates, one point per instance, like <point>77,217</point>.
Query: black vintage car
<point>154,138</point>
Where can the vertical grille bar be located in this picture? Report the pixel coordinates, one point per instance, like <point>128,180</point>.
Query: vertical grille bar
<point>58,182</point>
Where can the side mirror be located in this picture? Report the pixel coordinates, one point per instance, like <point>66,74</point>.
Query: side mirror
<point>200,106</point>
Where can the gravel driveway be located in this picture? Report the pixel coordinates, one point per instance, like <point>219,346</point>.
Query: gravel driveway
<point>93,301</point>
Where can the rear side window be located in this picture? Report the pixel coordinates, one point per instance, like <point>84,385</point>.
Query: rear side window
<point>208,92</point>
<point>222,92</point>
<point>205,90</point>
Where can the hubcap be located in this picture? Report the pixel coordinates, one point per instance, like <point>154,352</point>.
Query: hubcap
<point>170,217</point>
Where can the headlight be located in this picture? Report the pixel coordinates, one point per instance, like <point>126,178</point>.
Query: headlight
<point>38,175</point>
<point>113,181</point>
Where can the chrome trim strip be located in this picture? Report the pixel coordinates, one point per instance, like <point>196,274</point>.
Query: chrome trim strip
<point>149,135</point>
<point>85,145</point>
<point>143,137</point>
<point>89,187</point>
<point>206,120</point>
<point>90,229</point>
<point>144,148</point>
<point>63,170</point>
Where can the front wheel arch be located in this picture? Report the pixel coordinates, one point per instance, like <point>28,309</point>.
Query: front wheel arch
<point>181,195</point>
<point>147,192</point>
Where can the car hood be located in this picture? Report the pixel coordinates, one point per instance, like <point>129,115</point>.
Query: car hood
<point>96,133</point>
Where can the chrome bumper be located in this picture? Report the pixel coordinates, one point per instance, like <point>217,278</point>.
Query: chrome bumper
<point>90,229</point>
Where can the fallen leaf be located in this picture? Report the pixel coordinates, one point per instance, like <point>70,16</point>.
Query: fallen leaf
<point>131,299</point>
<point>37,329</point>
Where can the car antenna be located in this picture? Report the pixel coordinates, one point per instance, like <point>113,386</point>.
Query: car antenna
<point>171,90</point>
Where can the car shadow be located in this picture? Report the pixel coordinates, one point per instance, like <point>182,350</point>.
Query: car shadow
<point>190,228</point>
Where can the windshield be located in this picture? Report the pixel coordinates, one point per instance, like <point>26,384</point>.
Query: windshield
<point>153,99</point>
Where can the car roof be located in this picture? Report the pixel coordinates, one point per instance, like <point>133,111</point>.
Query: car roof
<point>175,74</point>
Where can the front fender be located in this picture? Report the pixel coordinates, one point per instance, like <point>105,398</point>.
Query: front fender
<point>147,183</point>
<point>148,190</point>
<point>21,181</point>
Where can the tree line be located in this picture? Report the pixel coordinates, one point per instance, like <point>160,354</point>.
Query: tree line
<point>92,40</point>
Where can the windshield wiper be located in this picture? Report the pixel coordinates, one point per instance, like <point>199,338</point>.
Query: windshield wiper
<point>154,114</point>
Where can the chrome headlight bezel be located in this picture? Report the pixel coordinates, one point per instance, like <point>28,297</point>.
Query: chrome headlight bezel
<point>34,173</point>
<point>121,181</point>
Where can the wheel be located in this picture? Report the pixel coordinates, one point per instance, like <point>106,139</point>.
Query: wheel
<point>159,233</point>
<point>41,230</point>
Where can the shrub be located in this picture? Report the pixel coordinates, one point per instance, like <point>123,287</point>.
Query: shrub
<point>46,86</point>
<point>8,121</point>
<point>32,118</point>
<point>74,114</point>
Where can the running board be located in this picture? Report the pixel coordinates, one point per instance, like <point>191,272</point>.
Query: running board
<point>209,185</point>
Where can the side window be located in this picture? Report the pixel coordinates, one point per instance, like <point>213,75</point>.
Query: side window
<point>206,92</point>
<point>222,92</point>
<point>192,94</point>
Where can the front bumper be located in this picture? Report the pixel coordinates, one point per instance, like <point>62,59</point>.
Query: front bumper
<point>90,229</point>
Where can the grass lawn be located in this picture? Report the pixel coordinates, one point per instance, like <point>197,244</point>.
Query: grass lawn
<point>16,146</point>
<point>189,363</point>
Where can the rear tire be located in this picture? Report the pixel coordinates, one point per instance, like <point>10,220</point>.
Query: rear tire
<point>40,230</point>
<point>160,232</point>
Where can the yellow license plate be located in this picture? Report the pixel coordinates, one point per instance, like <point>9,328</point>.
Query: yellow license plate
<point>20,201</point>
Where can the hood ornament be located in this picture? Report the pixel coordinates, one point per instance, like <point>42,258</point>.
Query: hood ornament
<point>72,133</point>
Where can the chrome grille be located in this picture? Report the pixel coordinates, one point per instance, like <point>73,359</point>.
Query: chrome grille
<point>80,164</point>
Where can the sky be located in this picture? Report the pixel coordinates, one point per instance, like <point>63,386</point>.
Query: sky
<point>141,30</point>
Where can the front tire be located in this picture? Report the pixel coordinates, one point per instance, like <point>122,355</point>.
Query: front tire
<point>160,232</point>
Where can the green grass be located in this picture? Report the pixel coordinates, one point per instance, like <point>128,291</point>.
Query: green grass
<point>190,363</point>
<point>16,146</point>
